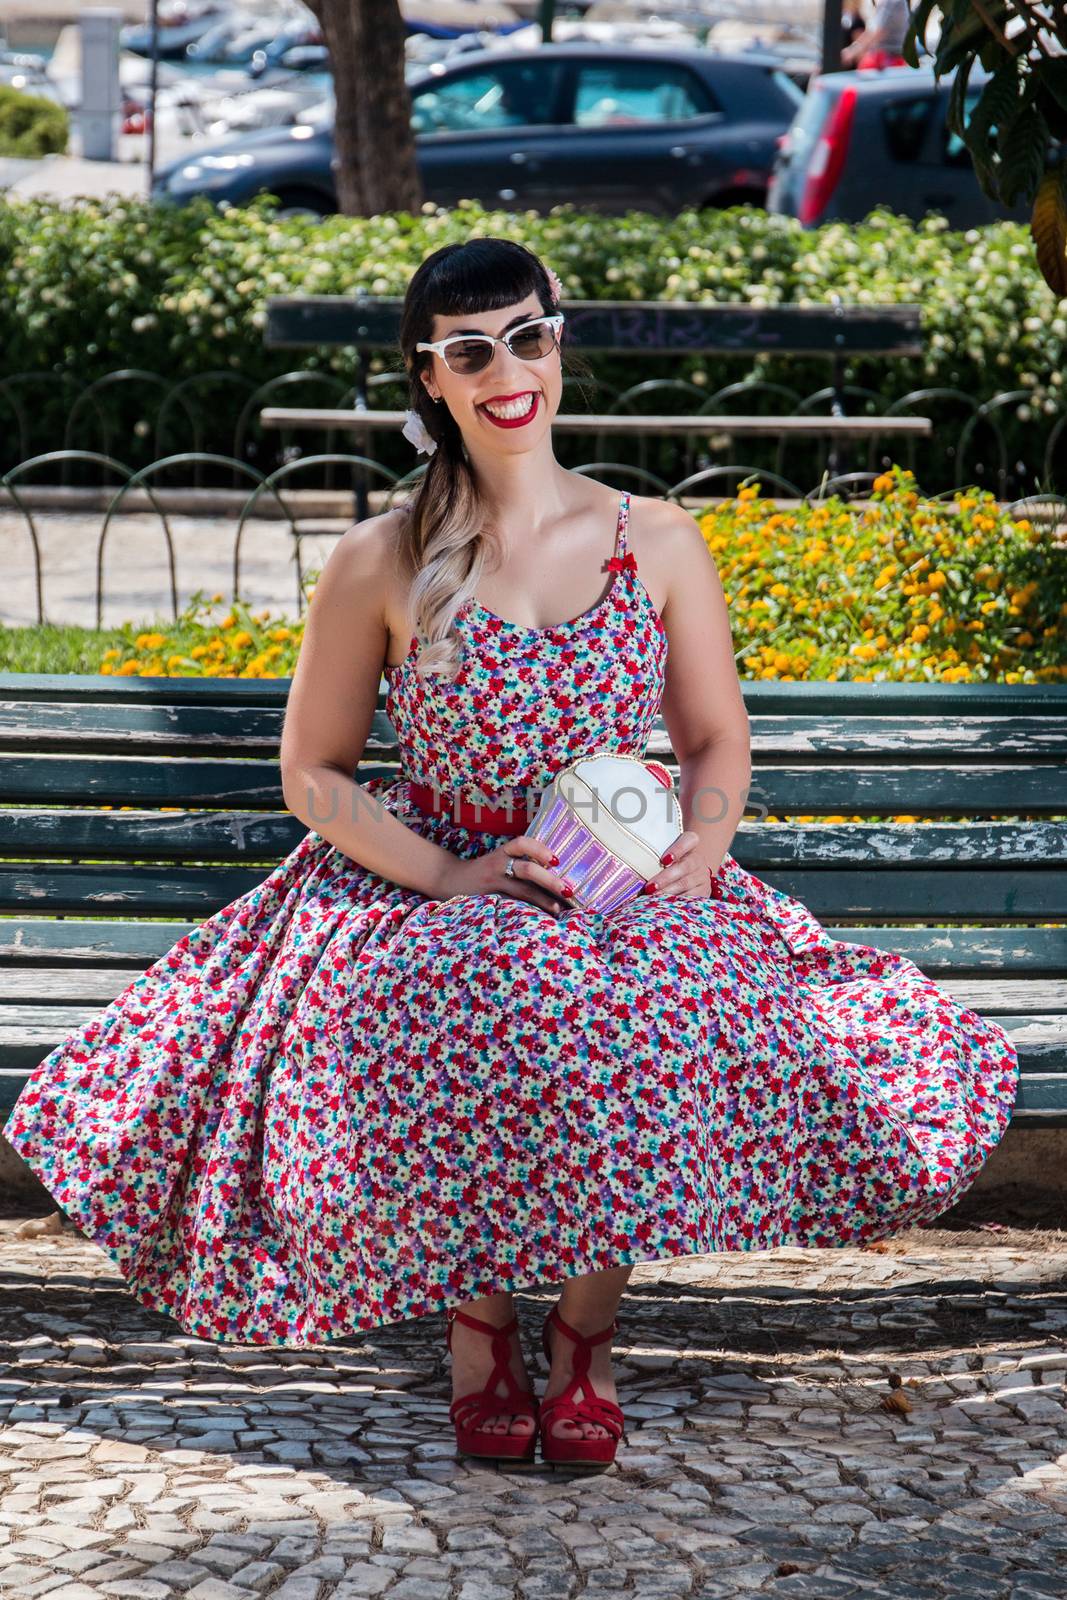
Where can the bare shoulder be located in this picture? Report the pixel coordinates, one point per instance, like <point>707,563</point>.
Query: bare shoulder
<point>369,550</point>
<point>668,546</point>
<point>655,521</point>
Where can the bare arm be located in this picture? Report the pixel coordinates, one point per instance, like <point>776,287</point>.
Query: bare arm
<point>870,39</point>
<point>330,711</point>
<point>703,707</point>
<point>328,718</point>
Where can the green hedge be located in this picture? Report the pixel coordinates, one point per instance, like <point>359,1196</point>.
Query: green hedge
<point>31,126</point>
<point>182,290</point>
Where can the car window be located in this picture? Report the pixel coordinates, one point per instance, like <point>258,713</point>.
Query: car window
<point>906,122</point>
<point>638,91</point>
<point>788,86</point>
<point>514,94</point>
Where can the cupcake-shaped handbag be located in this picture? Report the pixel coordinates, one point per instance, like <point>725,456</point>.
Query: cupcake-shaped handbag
<point>609,818</point>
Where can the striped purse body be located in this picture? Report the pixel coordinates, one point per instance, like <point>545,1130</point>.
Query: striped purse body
<point>609,818</point>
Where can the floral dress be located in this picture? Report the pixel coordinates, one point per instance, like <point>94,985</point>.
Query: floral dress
<point>339,1103</point>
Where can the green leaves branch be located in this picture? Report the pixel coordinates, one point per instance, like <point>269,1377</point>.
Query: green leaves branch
<point>1016,129</point>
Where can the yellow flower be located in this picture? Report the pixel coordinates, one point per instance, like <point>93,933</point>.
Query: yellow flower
<point>149,641</point>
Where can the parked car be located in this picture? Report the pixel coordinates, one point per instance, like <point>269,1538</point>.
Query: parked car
<point>655,129</point>
<point>864,139</point>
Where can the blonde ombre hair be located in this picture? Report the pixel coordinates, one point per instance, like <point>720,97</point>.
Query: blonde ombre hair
<point>444,540</point>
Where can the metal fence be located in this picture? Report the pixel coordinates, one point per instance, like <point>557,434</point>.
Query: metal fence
<point>273,490</point>
<point>207,426</point>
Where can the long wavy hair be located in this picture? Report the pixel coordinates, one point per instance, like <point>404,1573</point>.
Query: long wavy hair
<point>444,539</point>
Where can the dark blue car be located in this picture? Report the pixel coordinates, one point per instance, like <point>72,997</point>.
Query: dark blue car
<point>608,129</point>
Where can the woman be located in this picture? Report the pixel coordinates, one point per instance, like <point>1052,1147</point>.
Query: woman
<point>880,44</point>
<point>406,1073</point>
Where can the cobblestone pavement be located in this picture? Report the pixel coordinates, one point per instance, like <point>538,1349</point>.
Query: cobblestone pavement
<point>885,1422</point>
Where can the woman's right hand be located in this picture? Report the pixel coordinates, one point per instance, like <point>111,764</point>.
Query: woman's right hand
<point>534,879</point>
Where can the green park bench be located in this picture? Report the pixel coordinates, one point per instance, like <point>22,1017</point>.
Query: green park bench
<point>90,897</point>
<point>835,332</point>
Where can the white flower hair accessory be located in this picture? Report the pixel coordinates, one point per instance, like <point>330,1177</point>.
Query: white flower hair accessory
<point>557,287</point>
<point>417,433</point>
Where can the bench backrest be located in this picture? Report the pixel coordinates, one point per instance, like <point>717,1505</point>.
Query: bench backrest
<point>90,896</point>
<point>633,327</point>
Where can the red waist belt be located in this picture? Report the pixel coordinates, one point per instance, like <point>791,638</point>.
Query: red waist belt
<point>514,819</point>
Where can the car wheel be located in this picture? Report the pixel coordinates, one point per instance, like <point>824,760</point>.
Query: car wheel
<point>304,203</point>
<point>735,197</point>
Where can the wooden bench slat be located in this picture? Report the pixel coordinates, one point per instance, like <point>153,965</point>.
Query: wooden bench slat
<point>901,895</point>
<point>43,942</point>
<point>62,832</point>
<point>39,728</point>
<point>647,327</point>
<point>877,791</point>
<point>625,423</point>
<point>968,896</point>
<point>839,698</point>
<point>1041,1101</point>
<point>126,890</point>
<point>149,835</point>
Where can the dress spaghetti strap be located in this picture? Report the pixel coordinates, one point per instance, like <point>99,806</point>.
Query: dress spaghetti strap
<point>622,524</point>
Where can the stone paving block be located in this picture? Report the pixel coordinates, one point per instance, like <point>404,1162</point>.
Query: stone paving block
<point>740,1463</point>
<point>135,1589</point>
<point>175,1574</point>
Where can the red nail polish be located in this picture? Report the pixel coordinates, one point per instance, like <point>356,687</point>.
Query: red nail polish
<point>649,887</point>
<point>554,861</point>
<point>667,859</point>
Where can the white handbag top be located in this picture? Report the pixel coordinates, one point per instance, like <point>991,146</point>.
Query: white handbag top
<point>629,800</point>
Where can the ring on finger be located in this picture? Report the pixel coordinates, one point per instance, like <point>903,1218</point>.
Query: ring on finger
<point>509,870</point>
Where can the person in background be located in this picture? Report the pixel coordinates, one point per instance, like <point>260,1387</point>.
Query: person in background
<point>853,23</point>
<point>881,43</point>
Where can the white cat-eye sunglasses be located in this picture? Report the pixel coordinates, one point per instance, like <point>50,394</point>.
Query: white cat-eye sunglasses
<point>467,353</point>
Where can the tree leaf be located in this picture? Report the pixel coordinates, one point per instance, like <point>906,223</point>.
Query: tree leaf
<point>1022,148</point>
<point>1048,228</point>
<point>998,104</point>
<point>956,114</point>
<point>920,18</point>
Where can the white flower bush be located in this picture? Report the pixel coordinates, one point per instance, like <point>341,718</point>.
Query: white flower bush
<point>190,284</point>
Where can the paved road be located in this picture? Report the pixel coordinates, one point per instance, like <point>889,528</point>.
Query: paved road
<point>136,575</point>
<point>137,1462</point>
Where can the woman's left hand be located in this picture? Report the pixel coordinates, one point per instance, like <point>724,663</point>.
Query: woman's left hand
<point>685,871</point>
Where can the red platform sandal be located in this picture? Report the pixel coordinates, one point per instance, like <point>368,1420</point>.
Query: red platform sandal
<point>469,1411</point>
<point>564,1407</point>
